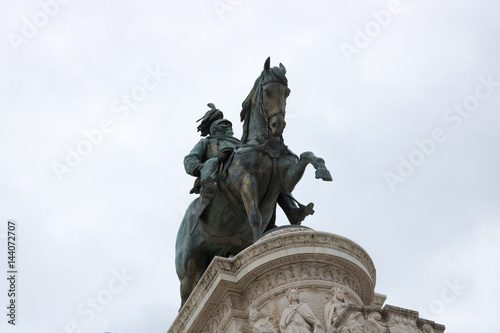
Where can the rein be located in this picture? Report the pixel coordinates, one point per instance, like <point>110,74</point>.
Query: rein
<point>263,111</point>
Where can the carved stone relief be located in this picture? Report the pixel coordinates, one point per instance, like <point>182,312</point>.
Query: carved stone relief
<point>303,314</point>
<point>222,312</point>
<point>333,277</point>
<point>296,273</point>
<point>310,313</point>
<point>260,323</point>
<point>259,293</point>
<point>356,323</point>
<point>335,307</point>
<point>428,329</point>
<point>388,320</point>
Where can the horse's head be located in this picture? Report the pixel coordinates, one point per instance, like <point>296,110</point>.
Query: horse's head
<point>275,91</point>
<point>268,97</point>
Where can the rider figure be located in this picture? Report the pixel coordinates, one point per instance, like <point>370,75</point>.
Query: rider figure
<point>204,159</point>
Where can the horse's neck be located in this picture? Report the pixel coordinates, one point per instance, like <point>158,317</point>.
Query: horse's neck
<point>270,143</point>
<point>258,131</point>
<point>274,143</point>
<point>260,135</point>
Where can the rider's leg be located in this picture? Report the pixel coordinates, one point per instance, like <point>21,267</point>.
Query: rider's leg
<point>208,174</point>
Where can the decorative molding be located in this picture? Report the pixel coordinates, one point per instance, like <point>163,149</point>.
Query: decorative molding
<point>317,264</point>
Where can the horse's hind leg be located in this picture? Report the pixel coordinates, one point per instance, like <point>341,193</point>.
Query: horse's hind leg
<point>187,281</point>
<point>294,214</point>
<point>193,272</point>
<point>185,263</point>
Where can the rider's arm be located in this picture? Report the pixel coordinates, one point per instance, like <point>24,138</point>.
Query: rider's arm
<point>194,160</point>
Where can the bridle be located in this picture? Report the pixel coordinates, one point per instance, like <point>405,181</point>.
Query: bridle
<point>264,112</point>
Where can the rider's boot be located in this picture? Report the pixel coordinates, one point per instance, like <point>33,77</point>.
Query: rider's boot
<point>208,185</point>
<point>208,190</point>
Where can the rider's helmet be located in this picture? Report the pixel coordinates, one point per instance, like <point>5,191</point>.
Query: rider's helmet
<point>220,126</point>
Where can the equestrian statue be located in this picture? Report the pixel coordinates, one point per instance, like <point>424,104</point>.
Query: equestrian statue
<point>241,181</point>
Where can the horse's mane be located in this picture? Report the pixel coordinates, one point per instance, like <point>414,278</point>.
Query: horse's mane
<point>275,74</point>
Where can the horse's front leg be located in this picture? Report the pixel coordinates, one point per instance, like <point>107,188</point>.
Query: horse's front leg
<point>296,171</point>
<point>321,170</point>
<point>319,164</point>
<point>250,201</point>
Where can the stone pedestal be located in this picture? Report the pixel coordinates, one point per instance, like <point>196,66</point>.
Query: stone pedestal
<point>294,279</point>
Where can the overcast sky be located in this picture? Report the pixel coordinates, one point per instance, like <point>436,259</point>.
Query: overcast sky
<point>98,106</point>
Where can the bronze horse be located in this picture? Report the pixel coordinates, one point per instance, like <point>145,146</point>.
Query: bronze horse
<point>259,170</point>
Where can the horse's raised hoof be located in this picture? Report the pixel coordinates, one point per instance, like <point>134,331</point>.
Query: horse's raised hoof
<point>323,173</point>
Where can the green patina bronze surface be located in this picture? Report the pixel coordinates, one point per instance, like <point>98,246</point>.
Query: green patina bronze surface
<point>241,181</point>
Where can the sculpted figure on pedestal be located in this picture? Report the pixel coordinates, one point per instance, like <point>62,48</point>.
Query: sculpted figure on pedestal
<point>335,307</point>
<point>355,324</point>
<point>241,202</point>
<point>259,324</point>
<point>358,324</point>
<point>298,317</point>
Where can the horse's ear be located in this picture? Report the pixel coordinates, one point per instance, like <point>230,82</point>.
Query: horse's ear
<point>267,65</point>
<point>283,69</point>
